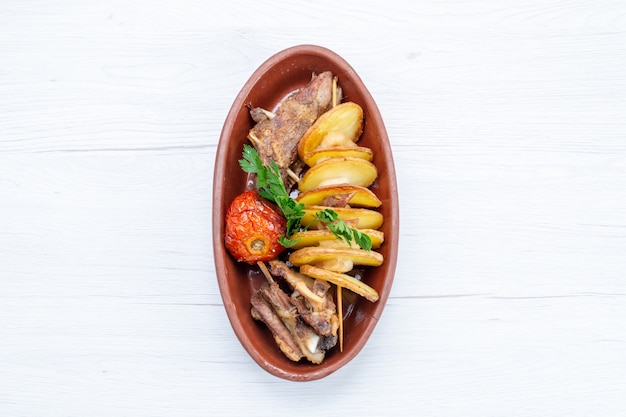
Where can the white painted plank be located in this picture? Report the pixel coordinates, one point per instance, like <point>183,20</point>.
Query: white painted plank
<point>508,126</point>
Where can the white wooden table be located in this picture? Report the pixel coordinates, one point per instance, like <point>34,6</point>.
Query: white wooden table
<point>508,124</point>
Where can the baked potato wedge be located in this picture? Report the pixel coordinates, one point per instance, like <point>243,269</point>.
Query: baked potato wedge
<point>321,154</point>
<point>316,237</point>
<point>341,280</point>
<point>344,170</point>
<point>361,196</point>
<point>314,254</point>
<point>360,218</point>
<point>345,119</point>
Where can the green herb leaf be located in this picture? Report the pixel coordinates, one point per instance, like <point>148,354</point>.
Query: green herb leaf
<point>271,187</point>
<point>287,242</point>
<point>361,239</point>
<point>341,230</point>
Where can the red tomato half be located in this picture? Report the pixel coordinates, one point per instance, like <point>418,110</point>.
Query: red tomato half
<point>253,226</point>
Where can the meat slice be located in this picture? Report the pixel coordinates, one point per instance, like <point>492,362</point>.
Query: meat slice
<point>276,138</point>
<point>321,320</point>
<point>262,311</point>
<point>313,302</point>
<point>298,282</point>
<point>304,336</point>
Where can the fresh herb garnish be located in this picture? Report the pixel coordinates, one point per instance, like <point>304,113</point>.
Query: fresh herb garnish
<point>342,230</point>
<point>271,187</point>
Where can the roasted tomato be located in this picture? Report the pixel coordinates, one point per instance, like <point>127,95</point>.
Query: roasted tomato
<point>253,226</point>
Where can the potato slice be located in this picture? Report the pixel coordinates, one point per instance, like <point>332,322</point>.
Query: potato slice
<point>363,197</point>
<point>337,244</point>
<point>345,118</point>
<point>321,154</point>
<point>316,237</point>
<point>336,265</point>
<point>315,254</point>
<point>335,139</point>
<point>343,170</point>
<point>360,218</point>
<point>341,280</point>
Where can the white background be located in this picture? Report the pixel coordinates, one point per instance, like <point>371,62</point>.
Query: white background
<point>508,124</point>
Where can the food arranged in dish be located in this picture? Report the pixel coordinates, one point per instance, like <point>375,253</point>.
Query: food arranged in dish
<point>310,220</point>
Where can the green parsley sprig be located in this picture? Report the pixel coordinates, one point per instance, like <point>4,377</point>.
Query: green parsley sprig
<point>271,187</point>
<point>341,230</point>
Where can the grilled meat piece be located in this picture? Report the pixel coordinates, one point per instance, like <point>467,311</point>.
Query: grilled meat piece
<point>324,322</point>
<point>276,138</point>
<point>313,302</point>
<point>262,311</point>
<point>298,282</point>
<point>311,341</point>
<point>304,336</point>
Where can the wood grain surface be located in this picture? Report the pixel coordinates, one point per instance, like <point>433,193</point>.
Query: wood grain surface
<point>508,124</point>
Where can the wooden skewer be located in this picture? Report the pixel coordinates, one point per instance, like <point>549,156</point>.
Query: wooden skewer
<point>340,315</point>
<point>339,288</point>
<point>293,175</point>
<point>265,272</point>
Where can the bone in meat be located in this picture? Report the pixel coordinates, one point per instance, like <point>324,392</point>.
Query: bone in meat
<point>262,311</point>
<point>321,316</point>
<point>296,281</point>
<point>276,139</point>
<point>305,337</point>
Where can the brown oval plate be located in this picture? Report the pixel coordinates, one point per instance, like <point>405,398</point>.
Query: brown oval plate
<point>281,74</point>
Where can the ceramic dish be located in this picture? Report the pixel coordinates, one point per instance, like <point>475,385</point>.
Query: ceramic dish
<point>281,74</point>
